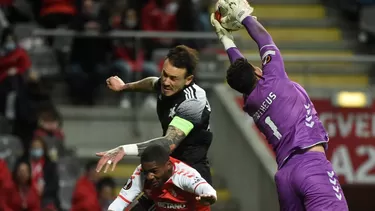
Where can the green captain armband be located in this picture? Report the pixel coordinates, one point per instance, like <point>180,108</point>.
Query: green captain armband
<point>182,124</point>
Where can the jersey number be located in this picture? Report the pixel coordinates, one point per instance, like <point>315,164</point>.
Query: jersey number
<point>273,127</point>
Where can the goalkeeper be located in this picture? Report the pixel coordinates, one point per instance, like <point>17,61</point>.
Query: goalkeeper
<point>284,113</point>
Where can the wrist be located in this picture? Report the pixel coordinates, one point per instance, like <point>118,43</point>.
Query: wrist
<point>246,19</point>
<point>227,42</point>
<point>129,86</point>
<point>130,149</point>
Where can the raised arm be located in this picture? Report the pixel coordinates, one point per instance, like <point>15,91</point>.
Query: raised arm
<point>129,192</point>
<point>240,10</point>
<point>227,40</point>
<point>146,84</point>
<point>257,32</point>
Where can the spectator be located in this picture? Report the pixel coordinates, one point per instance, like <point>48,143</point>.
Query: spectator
<point>6,183</point>
<point>187,18</point>
<point>44,174</point>
<point>204,14</point>
<point>127,60</point>
<point>85,196</point>
<point>14,63</point>
<point>89,54</point>
<point>49,131</point>
<point>158,15</point>
<point>23,195</point>
<point>106,190</point>
<point>56,12</point>
<point>14,70</point>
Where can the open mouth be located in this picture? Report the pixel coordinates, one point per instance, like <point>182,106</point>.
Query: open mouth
<point>166,88</point>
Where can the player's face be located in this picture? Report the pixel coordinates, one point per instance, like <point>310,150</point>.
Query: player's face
<point>156,173</point>
<point>173,79</point>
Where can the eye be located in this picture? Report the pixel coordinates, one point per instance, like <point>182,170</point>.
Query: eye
<point>173,78</point>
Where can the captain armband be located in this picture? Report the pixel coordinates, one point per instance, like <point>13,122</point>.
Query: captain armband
<point>182,124</point>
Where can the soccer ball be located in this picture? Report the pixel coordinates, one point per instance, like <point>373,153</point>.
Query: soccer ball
<point>230,25</point>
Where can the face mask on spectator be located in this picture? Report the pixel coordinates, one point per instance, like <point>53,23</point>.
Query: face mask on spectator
<point>37,153</point>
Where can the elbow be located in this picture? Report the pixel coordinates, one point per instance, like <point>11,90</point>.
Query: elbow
<point>215,197</point>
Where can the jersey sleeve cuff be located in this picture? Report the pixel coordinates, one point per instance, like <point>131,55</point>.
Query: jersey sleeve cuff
<point>182,124</point>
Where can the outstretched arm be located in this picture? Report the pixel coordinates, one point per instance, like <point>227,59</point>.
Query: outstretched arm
<point>226,39</point>
<point>257,32</point>
<point>147,84</point>
<point>178,129</point>
<point>188,114</point>
<point>174,136</point>
<point>129,192</point>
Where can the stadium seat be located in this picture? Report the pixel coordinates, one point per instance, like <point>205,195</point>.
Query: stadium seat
<point>10,149</point>
<point>5,126</point>
<point>69,169</point>
<point>302,28</point>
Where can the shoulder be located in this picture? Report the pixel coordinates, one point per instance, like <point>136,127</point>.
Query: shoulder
<point>194,97</point>
<point>183,174</point>
<point>194,92</point>
<point>137,170</point>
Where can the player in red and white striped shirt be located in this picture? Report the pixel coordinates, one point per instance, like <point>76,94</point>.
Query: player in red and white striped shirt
<point>170,183</point>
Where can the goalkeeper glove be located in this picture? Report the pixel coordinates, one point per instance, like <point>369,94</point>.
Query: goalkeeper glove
<point>224,36</point>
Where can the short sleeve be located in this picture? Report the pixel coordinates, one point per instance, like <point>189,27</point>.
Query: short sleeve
<point>272,61</point>
<point>192,110</point>
<point>195,183</point>
<point>157,86</point>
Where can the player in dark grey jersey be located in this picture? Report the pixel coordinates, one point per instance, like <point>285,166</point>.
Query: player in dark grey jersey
<point>183,112</point>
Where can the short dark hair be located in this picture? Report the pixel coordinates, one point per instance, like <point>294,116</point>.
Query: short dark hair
<point>182,56</point>
<point>241,76</point>
<point>106,181</point>
<point>155,153</point>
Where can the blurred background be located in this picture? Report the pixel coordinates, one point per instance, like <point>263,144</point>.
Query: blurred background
<point>55,111</point>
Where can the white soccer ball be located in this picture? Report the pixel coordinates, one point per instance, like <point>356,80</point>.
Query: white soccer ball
<point>233,25</point>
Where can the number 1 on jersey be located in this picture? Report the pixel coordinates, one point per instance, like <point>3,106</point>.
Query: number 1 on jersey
<point>273,127</point>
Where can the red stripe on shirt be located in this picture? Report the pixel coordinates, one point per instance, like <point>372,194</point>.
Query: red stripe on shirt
<point>123,198</point>
<point>198,185</point>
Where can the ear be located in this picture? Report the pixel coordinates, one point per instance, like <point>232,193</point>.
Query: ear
<point>169,165</point>
<point>189,79</point>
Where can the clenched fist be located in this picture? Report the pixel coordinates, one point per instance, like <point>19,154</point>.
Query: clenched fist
<point>115,83</point>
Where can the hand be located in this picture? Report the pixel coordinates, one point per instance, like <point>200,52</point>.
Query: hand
<point>237,9</point>
<point>221,33</point>
<point>12,71</point>
<point>109,157</point>
<point>115,83</point>
<point>206,200</point>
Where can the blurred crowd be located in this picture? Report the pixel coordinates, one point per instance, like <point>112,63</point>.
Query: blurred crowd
<point>34,161</point>
<point>91,59</point>
<point>362,13</point>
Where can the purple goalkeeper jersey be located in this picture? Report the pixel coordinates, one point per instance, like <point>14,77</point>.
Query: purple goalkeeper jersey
<point>282,110</point>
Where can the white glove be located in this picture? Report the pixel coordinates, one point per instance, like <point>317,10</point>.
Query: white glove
<point>237,9</point>
<point>224,36</point>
